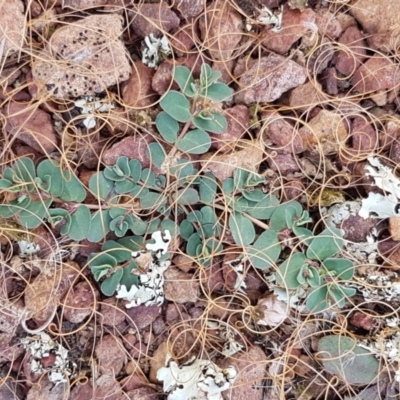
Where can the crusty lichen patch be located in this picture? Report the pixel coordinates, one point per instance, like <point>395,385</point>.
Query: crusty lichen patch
<point>83,58</point>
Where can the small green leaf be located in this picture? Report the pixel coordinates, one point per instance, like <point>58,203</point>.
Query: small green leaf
<point>208,187</point>
<point>24,169</point>
<point>192,244</point>
<point>186,197</point>
<point>186,229</point>
<point>313,278</point>
<point>228,186</point>
<point>289,270</point>
<point>51,175</point>
<point>156,153</point>
<point>101,261</point>
<point>255,195</point>
<point>264,208</point>
<point>136,170</point>
<point>32,216</point>
<point>196,141</point>
<point>73,188</point>
<point>14,206</point>
<point>304,235</point>
<point>125,186</point>
<point>184,79</point>
<point>99,271</point>
<point>325,245</point>
<point>218,92</point>
<point>343,269</point>
<point>152,200</point>
<point>265,251</point>
<point>291,216</point>
<point>80,223</point>
<point>99,226</point>
<point>5,184</point>
<point>317,299</point>
<point>100,186</point>
<point>128,279</point>
<point>167,126</point>
<point>214,122</point>
<point>242,229</point>
<point>109,286</point>
<point>239,178</point>
<point>176,105</point>
<point>278,218</point>
<point>117,250</point>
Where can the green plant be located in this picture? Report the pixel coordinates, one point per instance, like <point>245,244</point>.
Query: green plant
<point>193,106</point>
<point>318,272</point>
<point>341,356</point>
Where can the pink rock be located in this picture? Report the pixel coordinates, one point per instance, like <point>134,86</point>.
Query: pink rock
<point>284,163</point>
<point>251,368</point>
<point>329,81</point>
<point>31,125</point>
<point>327,24</point>
<point>153,18</point>
<point>295,24</point>
<point>133,147</point>
<point>137,91</point>
<point>306,96</point>
<point>267,78</point>
<point>83,4</point>
<point>143,393</point>
<point>79,302</point>
<point>364,136</point>
<point>143,316</point>
<point>182,40</point>
<point>281,133</point>
<point>47,390</point>
<point>221,29</point>
<point>180,287</point>
<point>320,57</point>
<point>190,8</point>
<point>346,62</point>
<point>110,355</point>
<point>356,228</point>
<point>212,278</point>
<point>377,73</point>
<point>361,320</point>
<point>292,190</point>
<point>238,122</point>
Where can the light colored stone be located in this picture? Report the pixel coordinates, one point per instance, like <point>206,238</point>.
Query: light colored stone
<point>83,4</point>
<point>325,133</point>
<point>79,302</point>
<point>248,157</point>
<point>221,30</point>
<point>12,26</point>
<point>327,24</point>
<point>190,8</point>
<point>31,125</point>
<point>110,354</point>
<point>380,21</point>
<point>267,78</point>
<point>180,287</point>
<point>83,58</point>
<point>307,96</point>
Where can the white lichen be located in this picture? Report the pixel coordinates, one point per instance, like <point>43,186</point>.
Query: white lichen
<point>90,105</point>
<point>154,48</point>
<point>41,346</point>
<point>27,249</point>
<point>196,379</point>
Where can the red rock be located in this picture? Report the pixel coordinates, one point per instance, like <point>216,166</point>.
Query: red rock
<point>305,96</point>
<point>361,320</point>
<point>348,60</point>
<point>221,29</point>
<point>172,312</point>
<point>295,24</point>
<point>377,73</point>
<point>79,302</point>
<point>31,125</point>
<point>238,122</point>
<point>143,316</point>
<point>364,136</point>
<point>110,354</point>
<point>274,74</point>
<point>320,57</point>
<point>137,91</point>
<point>329,81</point>
<point>293,190</point>
<point>83,4</point>
<point>225,67</point>
<point>356,228</point>
<point>182,40</point>
<point>281,133</point>
<point>133,147</point>
<point>112,312</point>
<point>251,368</point>
<point>190,8</point>
<point>153,18</point>
<point>47,390</point>
<point>180,287</point>
<point>284,163</point>
<point>211,278</point>
<point>48,361</point>
<point>327,24</point>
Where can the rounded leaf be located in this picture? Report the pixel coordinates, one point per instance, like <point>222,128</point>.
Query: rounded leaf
<point>265,251</point>
<point>242,229</point>
<point>109,286</point>
<point>289,270</point>
<point>176,105</point>
<point>196,141</point>
<point>167,126</point>
<point>100,186</point>
<point>80,223</point>
<point>214,122</point>
<point>325,245</point>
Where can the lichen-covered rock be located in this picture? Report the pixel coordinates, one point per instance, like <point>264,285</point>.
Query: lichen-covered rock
<point>267,78</point>
<point>153,18</point>
<point>31,125</point>
<point>12,26</point>
<point>221,29</point>
<point>83,58</point>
